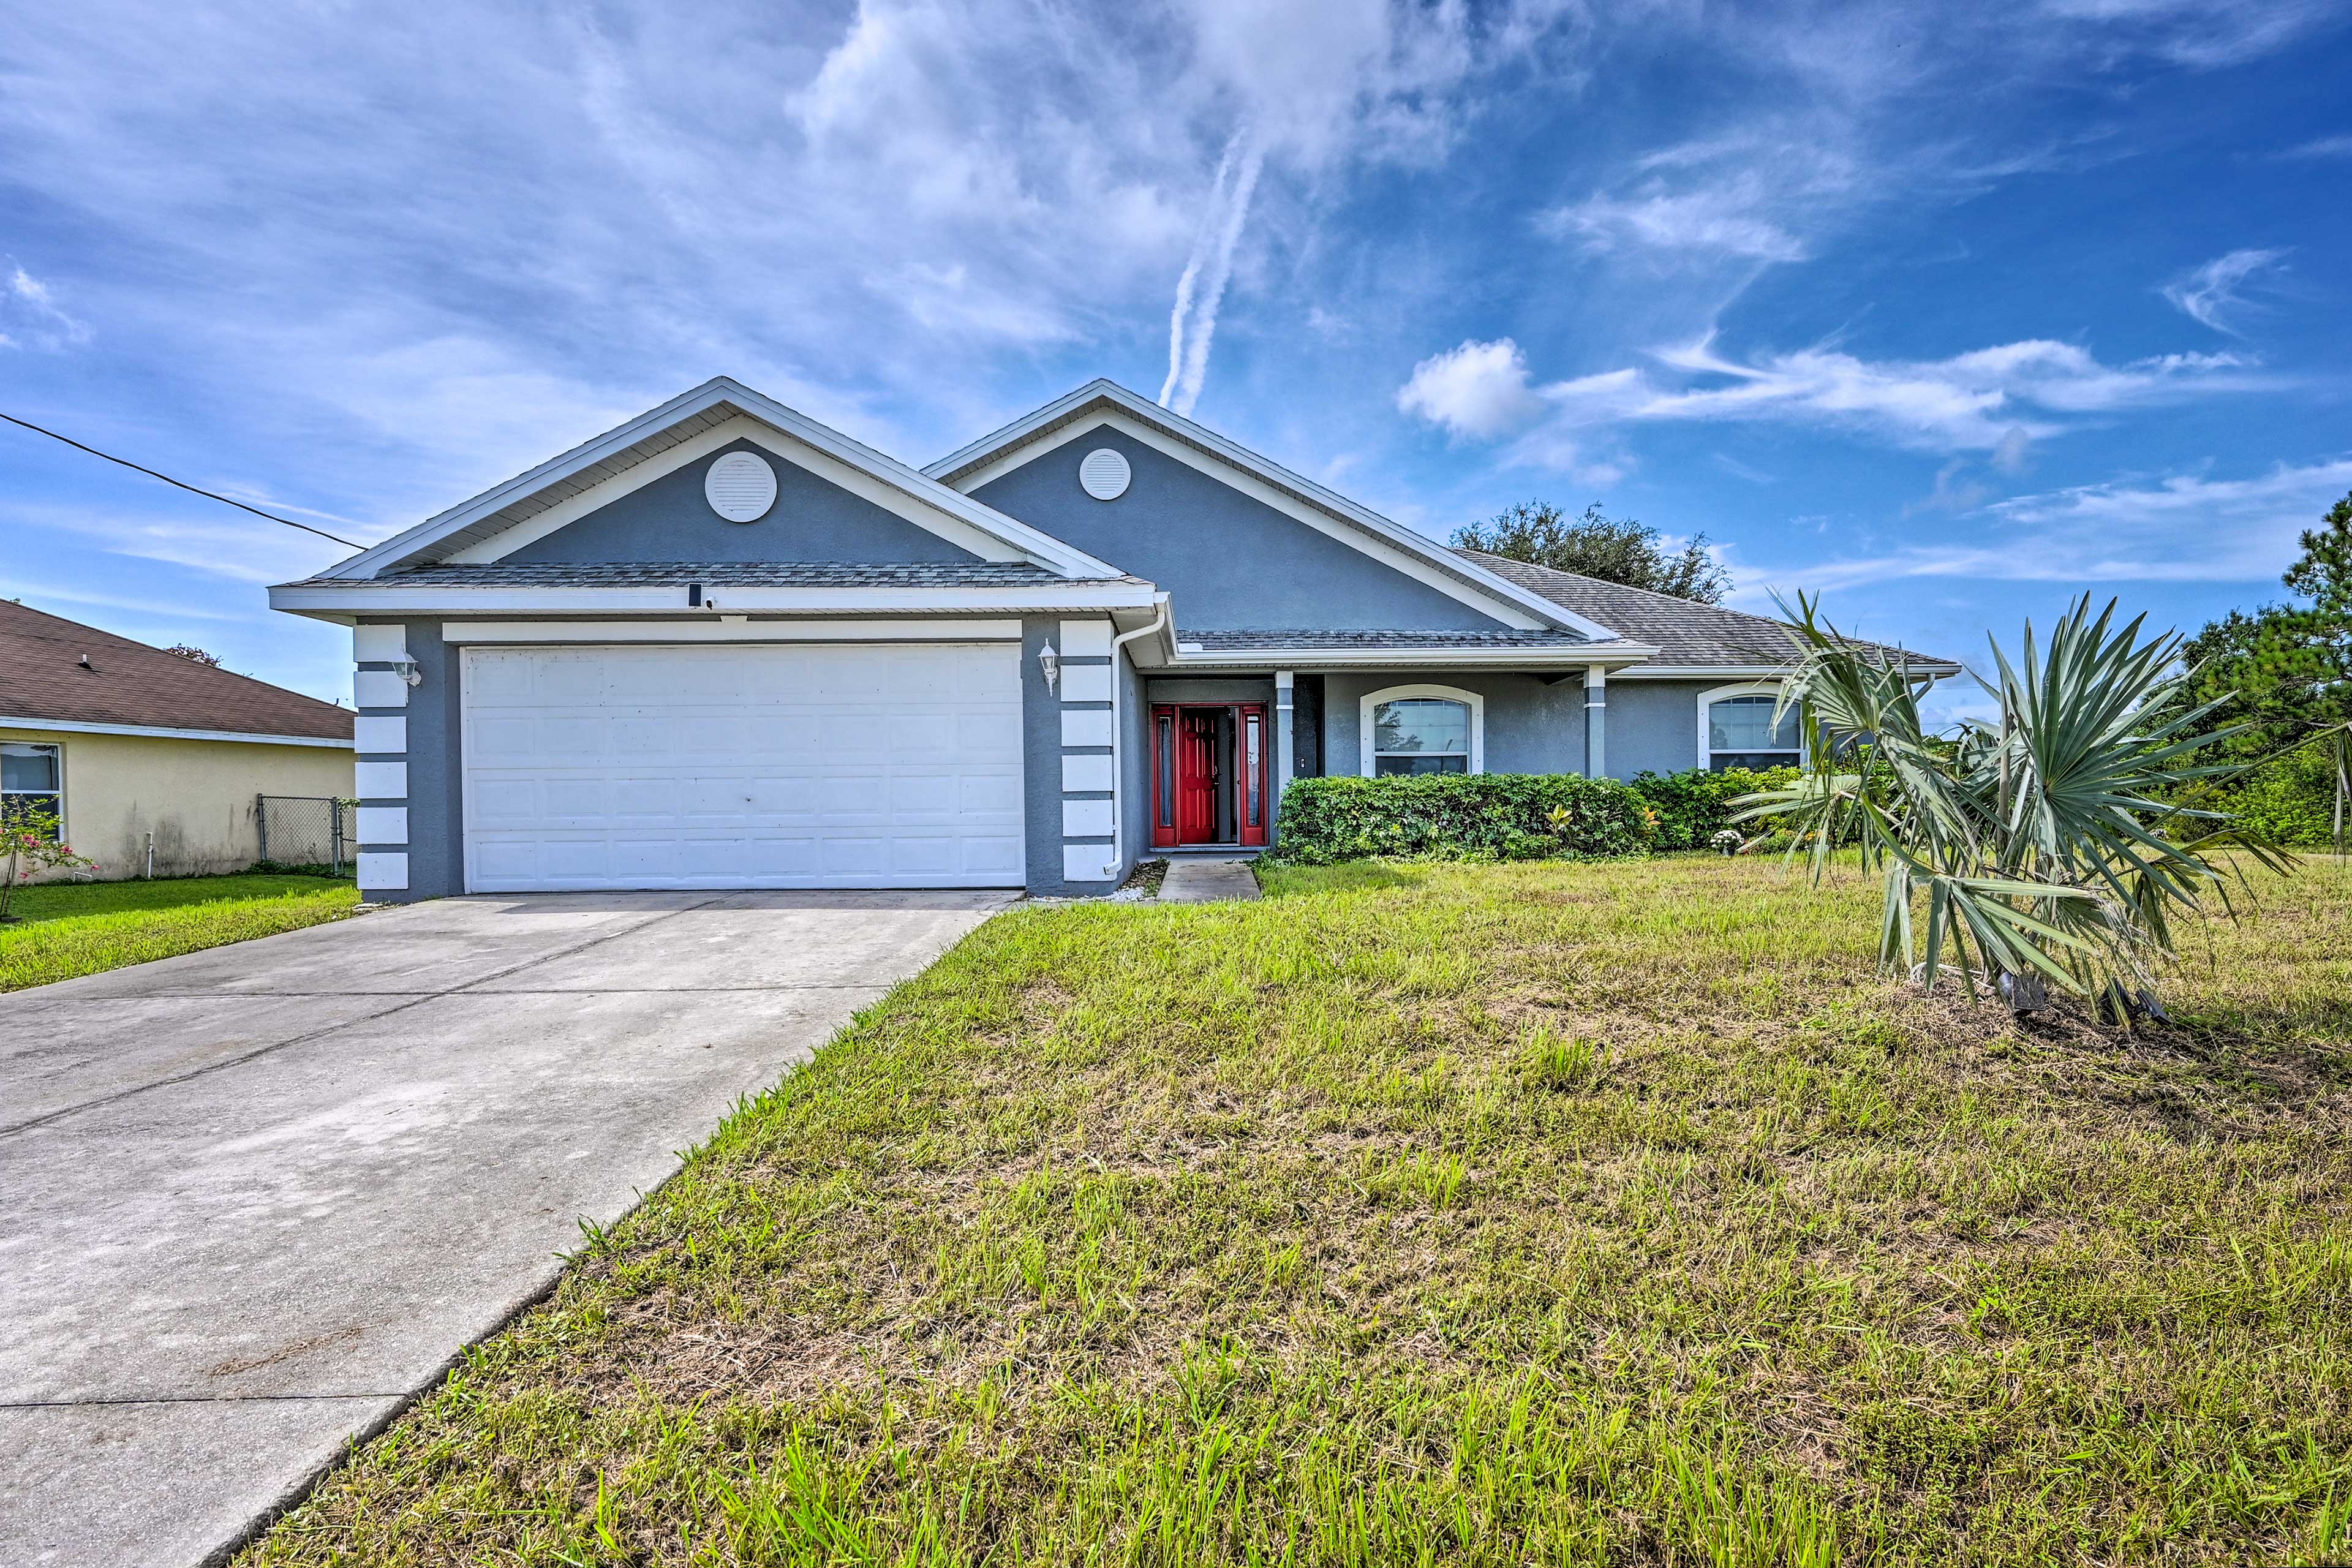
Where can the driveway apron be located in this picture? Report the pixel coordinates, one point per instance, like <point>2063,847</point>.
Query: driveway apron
<point>252,1199</point>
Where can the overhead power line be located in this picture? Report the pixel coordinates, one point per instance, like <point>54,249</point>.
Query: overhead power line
<point>192,489</point>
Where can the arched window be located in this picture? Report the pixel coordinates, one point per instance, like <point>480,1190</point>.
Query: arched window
<point>1735,730</point>
<point>1423,729</point>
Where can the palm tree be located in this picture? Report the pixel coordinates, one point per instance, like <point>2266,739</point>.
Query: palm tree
<point>2044,843</point>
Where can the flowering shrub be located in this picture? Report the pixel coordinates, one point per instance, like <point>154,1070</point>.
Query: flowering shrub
<point>1696,805</point>
<point>28,838</point>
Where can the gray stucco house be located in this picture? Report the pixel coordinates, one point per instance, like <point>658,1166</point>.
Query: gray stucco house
<point>723,646</point>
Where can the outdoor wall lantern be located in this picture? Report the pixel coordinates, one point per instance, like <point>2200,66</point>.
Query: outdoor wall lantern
<point>1050,663</point>
<point>407,669</point>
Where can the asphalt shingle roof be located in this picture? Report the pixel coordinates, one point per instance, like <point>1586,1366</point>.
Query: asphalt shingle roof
<point>42,679</point>
<point>729,574</point>
<point>1250,641</point>
<point>1684,632</point>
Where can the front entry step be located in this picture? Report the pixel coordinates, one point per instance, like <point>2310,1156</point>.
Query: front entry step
<point>1194,881</point>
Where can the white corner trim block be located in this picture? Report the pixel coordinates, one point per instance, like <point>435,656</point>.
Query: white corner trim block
<point>388,736</point>
<point>379,689</point>
<point>1085,727</point>
<point>1084,773</point>
<point>1086,639</point>
<point>1086,682</point>
<point>384,823</point>
<point>380,781</point>
<point>379,645</point>
<point>1087,862</point>
<point>382,870</point>
<point>1086,819</point>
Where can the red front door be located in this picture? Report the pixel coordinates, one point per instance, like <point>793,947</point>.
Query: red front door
<point>1211,767</point>
<point>1197,777</point>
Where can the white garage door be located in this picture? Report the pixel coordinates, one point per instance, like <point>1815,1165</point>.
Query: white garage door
<point>743,766</point>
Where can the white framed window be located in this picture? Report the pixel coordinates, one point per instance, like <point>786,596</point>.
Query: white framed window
<point>32,775</point>
<point>1735,729</point>
<point>1406,730</point>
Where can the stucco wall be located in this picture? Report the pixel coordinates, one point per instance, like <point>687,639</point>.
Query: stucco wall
<point>1230,562</point>
<point>1653,725</point>
<point>195,796</point>
<point>812,520</point>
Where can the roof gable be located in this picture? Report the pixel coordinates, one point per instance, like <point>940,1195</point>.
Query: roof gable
<point>129,685</point>
<point>1102,403</point>
<point>686,430</point>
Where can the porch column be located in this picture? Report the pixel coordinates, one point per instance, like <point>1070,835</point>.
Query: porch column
<point>1596,720</point>
<point>1284,687</point>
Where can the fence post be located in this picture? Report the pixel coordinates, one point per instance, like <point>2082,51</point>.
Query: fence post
<point>261,822</point>
<point>335,837</point>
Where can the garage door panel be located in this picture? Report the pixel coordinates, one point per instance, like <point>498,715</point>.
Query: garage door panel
<point>650,766</point>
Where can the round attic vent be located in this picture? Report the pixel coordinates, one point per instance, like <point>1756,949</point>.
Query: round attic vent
<point>1103,474</point>
<point>741,487</point>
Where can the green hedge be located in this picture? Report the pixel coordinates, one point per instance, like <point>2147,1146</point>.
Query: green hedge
<point>1460,817</point>
<point>1694,805</point>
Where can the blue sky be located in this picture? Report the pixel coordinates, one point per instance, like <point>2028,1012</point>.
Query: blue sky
<point>1948,313</point>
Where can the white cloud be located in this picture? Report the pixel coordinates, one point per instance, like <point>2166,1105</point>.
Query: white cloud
<point>2183,529</point>
<point>2323,147</point>
<point>1744,198</point>
<point>1988,400</point>
<point>1479,390</point>
<point>2208,294</point>
<point>30,316</point>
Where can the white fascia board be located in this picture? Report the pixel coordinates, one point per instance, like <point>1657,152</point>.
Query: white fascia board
<point>1181,438</point>
<point>733,628</point>
<point>1612,655</point>
<point>883,473</point>
<point>153,732</point>
<point>389,598</point>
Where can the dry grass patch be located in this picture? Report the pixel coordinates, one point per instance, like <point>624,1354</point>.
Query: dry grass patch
<point>1610,1213</point>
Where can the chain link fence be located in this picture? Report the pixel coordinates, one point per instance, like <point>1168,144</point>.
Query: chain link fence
<point>308,830</point>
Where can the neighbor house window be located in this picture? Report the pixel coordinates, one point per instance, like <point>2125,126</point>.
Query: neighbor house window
<point>1739,732</point>
<point>1423,729</point>
<point>32,778</point>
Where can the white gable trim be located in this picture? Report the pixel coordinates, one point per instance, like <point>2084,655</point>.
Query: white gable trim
<point>1411,564</point>
<point>904,484</point>
<point>1019,442</point>
<point>743,427</point>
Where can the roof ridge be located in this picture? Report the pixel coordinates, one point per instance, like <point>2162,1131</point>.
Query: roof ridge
<point>1676,600</point>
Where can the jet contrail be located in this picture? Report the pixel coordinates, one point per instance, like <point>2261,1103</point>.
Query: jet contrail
<point>1221,266</point>
<point>1190,331</point>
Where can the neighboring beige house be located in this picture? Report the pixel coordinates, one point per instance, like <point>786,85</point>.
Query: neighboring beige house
<point>156,762</point>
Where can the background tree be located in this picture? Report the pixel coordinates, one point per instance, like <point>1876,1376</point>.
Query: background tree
<point>190,650</point>
<point>1615,550</point>
<point>2284,672</point>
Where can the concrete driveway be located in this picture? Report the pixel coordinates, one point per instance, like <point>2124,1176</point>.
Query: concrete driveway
<point>252,1199</point>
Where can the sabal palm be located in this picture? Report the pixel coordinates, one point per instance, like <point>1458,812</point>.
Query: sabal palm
<point>2042,843</point>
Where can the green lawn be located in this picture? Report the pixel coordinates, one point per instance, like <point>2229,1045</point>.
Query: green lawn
<point>81,927</point>
<point>1482,1215</point>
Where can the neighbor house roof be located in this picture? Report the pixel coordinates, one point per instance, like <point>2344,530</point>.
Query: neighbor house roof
<point>1687,634</point>
<point>46,684</point>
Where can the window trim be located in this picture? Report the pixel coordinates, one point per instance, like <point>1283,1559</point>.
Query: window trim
<point>59,793</point>
<point>1709,698</point>
<point>1368,761</point>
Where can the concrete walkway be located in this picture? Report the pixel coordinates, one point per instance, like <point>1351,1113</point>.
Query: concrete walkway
<point>1207,881</point>
<point>252,1199</point>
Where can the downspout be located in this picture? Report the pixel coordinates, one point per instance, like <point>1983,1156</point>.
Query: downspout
<point>1119,734</point>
